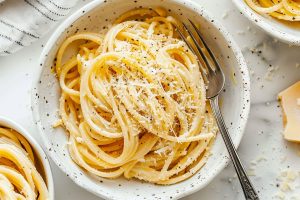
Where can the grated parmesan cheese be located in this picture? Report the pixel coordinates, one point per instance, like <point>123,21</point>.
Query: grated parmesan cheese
<point>57,123</point>
<point>270,73</point>
<point>280,195</point>
<point>79,139</point>
<point>284,187</point>
<point>287,182</point>
<point>291,175</point>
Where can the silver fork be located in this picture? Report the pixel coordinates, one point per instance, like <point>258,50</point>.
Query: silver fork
<point>215,81</point>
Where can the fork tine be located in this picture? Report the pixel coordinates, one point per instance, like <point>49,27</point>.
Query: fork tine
<point>184,39</point>
<point>206,46</point>
<point>198,47</point>
<point>203,71</point>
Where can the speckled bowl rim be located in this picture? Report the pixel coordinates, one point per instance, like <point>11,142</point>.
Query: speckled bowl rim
<point>6,122</point>
<point>262,24</point>
<point>245,79</point>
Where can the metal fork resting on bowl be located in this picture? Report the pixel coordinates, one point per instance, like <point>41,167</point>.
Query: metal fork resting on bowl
<point>215,80</point>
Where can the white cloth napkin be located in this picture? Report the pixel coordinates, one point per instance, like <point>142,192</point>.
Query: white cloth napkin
<point>24,21</point>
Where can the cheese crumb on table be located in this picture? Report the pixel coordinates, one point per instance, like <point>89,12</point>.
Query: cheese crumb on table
<point>285,187</point>
<point>280,195</point>
<point>271,72</point>
<point>287,181</point>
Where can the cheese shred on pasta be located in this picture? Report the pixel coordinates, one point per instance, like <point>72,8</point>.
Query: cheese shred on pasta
<point>19,178</point>
<point>288,10</point>
<point>133,101</point>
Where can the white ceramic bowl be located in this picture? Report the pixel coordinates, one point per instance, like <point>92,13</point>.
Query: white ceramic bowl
<point>41,156</point>
<point>235,98</point>
<point>280,30</point>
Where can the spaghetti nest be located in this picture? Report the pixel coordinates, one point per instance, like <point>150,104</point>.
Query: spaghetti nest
<point>133,101</point>
<point>288,10</point>
<point>19,178</point>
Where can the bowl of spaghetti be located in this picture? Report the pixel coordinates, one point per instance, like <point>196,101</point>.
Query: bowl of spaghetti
<point>120,100</point>
<point>24,168</point>
<point>281,18</point>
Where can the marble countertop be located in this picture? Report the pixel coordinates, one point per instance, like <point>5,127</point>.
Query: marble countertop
<point>273,67</point>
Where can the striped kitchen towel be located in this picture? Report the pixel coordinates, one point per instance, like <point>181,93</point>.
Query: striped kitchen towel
<point>24,21</point>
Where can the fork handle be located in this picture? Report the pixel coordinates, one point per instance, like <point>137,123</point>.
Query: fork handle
<point>249,191</point>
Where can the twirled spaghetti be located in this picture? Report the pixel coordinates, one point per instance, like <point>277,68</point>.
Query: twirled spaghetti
<point>133,101</point>
<point>19,178</point>
<point>288,10</point>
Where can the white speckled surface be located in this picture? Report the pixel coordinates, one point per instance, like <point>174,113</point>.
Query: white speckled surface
<point>263,133</point>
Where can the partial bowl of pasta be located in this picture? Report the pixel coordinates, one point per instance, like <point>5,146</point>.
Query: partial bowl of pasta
<point>281,18</point>
<point>121,105</point>
<point>24,168</point>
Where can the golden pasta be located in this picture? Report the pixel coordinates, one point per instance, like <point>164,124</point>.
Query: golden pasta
<point>19,178</point>
<point>133,101</point>
<point>287,10</point>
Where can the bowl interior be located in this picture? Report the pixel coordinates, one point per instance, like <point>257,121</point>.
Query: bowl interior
<point>42,163</point>
<point>97,16</point>
<point>284,31</point>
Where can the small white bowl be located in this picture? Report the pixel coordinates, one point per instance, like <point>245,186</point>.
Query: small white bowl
<point>41,156</point>
<point>280,30</point>
<point>235,98</point>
